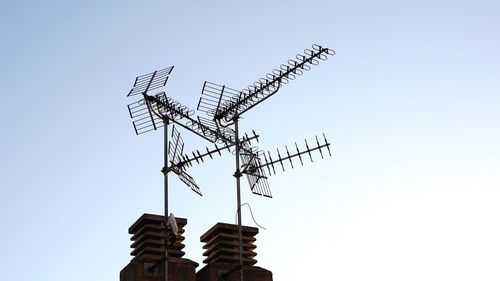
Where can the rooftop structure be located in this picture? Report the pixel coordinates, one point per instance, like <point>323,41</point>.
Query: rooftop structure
<point>221,251</point>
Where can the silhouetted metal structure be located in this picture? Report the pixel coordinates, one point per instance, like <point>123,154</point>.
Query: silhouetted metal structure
<point>151,113</point>
<point>224,106</point>
<point>154,111</point>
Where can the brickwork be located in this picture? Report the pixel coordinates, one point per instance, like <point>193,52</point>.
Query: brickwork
<point>221,251</point>
<point>148,246</point>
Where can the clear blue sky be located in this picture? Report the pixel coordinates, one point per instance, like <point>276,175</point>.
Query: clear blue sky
<point>410,103</point>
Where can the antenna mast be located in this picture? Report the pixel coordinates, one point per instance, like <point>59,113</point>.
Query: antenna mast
<point>147,115</point>
<point>226,105</point>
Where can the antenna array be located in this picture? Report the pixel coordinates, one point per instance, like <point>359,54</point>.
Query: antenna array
<point>224,107</point>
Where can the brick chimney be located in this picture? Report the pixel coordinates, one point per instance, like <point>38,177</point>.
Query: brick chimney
<point>148,252</point>
<point>222,252</point>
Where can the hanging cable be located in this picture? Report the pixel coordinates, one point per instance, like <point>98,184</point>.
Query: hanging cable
<point>251,213</point>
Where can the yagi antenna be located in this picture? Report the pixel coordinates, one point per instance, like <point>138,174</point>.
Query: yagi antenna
<point>225,106</point>
<point>147,116</point>
<point>269,162</point>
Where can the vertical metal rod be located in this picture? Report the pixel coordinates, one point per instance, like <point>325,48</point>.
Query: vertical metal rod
<point>165,177</point>
<point>237,174</point>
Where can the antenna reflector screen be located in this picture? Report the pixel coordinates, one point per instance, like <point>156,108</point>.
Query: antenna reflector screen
<point>150,81</point>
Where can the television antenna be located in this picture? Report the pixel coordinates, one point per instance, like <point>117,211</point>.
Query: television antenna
<point>225,106</point>
<point>154,111</point>
<point>148,116</point>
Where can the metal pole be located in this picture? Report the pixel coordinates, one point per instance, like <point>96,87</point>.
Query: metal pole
<point>165,177</point>
<point>237,174</point>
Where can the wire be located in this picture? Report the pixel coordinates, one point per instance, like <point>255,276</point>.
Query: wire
<point>251,213</point>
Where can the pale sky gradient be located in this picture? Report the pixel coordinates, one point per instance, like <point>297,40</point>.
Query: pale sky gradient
<point>410,104</point>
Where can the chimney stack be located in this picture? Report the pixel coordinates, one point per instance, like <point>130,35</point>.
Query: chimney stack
<point>222,252</point>
<point>148,245</point>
